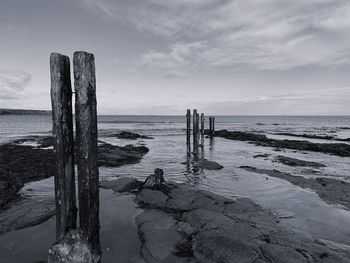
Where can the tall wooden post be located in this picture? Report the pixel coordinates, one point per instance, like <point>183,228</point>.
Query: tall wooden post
<point>61,100</point>
<point>202,129</point>
<point>87,151</point>
<point>194,131</point>
<point>188,131</point>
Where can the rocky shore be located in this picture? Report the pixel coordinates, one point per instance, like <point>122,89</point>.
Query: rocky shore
<point>131,135</point>
<point>181,223</point>
<point>31,159</point>
<point>313,136</point>
<point>338,149</point>
<point>332,191</point>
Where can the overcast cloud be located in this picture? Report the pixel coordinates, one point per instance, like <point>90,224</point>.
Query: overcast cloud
<point>161,57</point>
<point>12,83</point>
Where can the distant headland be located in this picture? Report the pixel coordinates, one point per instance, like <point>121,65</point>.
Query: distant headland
<point>23,112</point>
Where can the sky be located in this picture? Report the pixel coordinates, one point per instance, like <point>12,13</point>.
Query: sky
<point>223,57</point>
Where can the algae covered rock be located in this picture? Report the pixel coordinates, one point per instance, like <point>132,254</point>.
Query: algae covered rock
<point>73,248</point>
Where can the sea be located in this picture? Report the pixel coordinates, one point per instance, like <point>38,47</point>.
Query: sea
<point>298,209</point>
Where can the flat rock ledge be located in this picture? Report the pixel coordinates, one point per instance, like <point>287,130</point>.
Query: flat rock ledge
<point>184,224</point>
<point>25,213</point>
<point>332,191</point>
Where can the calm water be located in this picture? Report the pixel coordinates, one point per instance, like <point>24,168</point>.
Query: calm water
<point>299,209</point>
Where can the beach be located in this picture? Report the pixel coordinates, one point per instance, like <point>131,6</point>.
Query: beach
<point>260,172</point>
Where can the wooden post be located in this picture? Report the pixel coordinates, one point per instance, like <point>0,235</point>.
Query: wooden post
<point>87,151</point>
<point>194,131</point>
<point>202,129</point>
<point>62,120</point>
<point>213,128</point>
<point>197,129</point>
<point>210,126</point>
<point>188,131</point>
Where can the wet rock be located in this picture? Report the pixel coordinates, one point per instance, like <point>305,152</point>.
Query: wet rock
<point>115,156</point>
<point>20,164</point>
<point>159,235</point>
<point>32,159</point>
<point>151,198</point>
<point>296,162</point>
<point>185,228</point>
<point>203,163</point>
<point>265,155</point>
<point>131,135</point>
<point>314,136</point>
<point>212,247</point>
<point>209,165</point>
<point>73,248</point>
<point>25,213</point>
<point>276,253</point>
<point>9,186</point>
<point>190,225</point>
<point>339,149</point>
<point>123,184</point>
<point>155,179</point>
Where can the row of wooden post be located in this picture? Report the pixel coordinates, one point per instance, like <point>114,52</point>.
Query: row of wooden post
<point>86,146</point>
<point>196,131</point>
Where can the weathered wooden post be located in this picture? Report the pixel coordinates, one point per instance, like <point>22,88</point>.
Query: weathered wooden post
<point>213,126</point>
<point>188,131</point>
<point>87,151</point>
<point>195,131</point>
<point>62,120</point>
<point>210,126</point>
<point>202,129</point>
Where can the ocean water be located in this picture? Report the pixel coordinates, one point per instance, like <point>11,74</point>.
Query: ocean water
<point>299,209</point>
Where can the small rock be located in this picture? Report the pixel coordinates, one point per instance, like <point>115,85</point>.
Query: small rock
<point>209,165</point>
<point>185,228</point>
<point>155,179</point>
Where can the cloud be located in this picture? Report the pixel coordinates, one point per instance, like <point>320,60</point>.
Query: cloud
<point>308,102</point>
<point>12,83</point>
<point>265,35</point>
<point>180,56</point>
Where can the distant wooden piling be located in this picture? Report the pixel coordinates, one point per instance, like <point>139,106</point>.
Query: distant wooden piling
<point>194,131</point>
<point>197,129</point>
<point>202,129</point>
<point>210,126</point>
<point>62,120</point>
<point>87,151</point>
<point>188,131</point>
<point>213,126</point>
